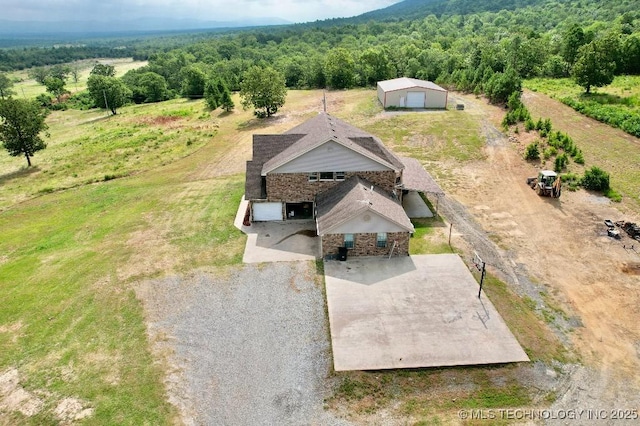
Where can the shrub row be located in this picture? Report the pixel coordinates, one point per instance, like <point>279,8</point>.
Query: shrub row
<point>612,115</point>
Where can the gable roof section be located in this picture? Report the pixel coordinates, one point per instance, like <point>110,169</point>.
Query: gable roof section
<point>408,83</point>
<point>355,196</point>
<point>264,148</point>
<point>324,128</point>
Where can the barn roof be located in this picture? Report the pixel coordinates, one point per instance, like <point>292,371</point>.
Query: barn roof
<point>408,83</point>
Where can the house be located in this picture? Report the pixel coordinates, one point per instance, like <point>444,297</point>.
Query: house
<point>407,92</point>
<point>337,174</point>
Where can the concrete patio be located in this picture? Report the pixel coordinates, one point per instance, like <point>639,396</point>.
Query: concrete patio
<point>415,206</point>
<point>410,312</point>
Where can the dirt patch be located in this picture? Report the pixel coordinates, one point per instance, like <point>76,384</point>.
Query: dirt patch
<point>162,120</point>
<point>632,268</point>
<point>552,250</point>
<point>70,410</point>
<point>13,397</point>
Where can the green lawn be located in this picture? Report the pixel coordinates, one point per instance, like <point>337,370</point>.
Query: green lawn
<point>88,146</point>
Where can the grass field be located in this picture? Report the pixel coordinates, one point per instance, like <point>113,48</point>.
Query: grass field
<point>70,322</point>
<point>153,191</point>
<point>29,88</point>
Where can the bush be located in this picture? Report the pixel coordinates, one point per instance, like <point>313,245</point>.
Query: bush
<point>539,124</point>
<point>532,152</point>
<point>595,179</point>
<point>571,181</point>
<point>82,101</point>
<point>529,125</point>
<point>561,162</point>
<point>579,157</point>
<point>614,115</point>
<point>613,195</point>
<point>549,152</point>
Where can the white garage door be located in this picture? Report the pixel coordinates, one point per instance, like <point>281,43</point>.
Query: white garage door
<point>415,99</point>
<point>267,211</point>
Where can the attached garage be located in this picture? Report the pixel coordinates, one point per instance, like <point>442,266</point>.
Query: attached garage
<point>412,93</point>
<point>263,212</point>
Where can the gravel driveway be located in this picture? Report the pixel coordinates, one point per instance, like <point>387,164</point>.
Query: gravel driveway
<point>247,347</point>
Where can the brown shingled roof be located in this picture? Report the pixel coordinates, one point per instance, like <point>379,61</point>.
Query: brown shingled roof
<point>323,128</point>
<point>416,178</point>
<point>352,197</point>
<point>265,147</point>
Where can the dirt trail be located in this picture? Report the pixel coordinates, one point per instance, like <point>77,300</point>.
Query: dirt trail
<point>563,247</point>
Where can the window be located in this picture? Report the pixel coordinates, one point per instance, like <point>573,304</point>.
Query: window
<point>339,175</point>
<point>348,240</point>
<point>326,175</point>
<point>381,241</point>
<point>313,177</point>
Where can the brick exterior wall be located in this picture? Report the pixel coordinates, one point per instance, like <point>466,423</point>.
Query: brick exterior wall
<point>296,188</point>
<point>365,244</point>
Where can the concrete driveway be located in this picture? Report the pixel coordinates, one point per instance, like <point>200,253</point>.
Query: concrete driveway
<point>409,312</point>
<point>282,241</point>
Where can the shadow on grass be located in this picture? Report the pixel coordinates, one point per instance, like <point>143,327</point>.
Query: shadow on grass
<point>607,99</point>
<point>20,173</point>
<point>260,123</point>
<point>97,119</point>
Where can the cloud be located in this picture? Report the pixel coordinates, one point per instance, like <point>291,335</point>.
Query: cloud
<point>214,10</point>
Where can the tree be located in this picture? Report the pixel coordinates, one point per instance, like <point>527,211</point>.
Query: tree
<point>227,103</point>
<point>108,92</point>
<point>375,66</point>
<point>39,74</point>
<point>153,86</point>
<point>60,71</point>
<point>574,38</point>
<point>55,86</point>
<point>5,86</point>
<point>22,122</point>
<point>212,96</point>
<point>340,68</point>
<point>264,89</point>
<point>593,66</point>
<point>501,85</point>
<point>193,82</point>
<point>103,70</point>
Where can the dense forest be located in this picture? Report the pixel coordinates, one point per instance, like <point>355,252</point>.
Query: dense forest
<point>473,45</point>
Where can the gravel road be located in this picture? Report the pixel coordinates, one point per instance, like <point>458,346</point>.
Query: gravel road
<point>249,346</point>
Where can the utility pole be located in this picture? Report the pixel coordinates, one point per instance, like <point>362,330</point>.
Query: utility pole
<point>106,104</point>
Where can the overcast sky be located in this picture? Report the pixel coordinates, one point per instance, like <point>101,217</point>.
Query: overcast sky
<point>209,10</point>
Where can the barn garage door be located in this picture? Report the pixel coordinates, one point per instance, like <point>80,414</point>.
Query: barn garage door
<point>267,211</point>
<point>415,99</point>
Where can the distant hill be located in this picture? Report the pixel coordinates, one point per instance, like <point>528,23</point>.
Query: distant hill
<point>410,9</point>
<point>30,28</point>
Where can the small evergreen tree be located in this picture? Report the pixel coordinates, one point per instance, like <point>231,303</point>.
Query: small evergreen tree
<point>227,103</point>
